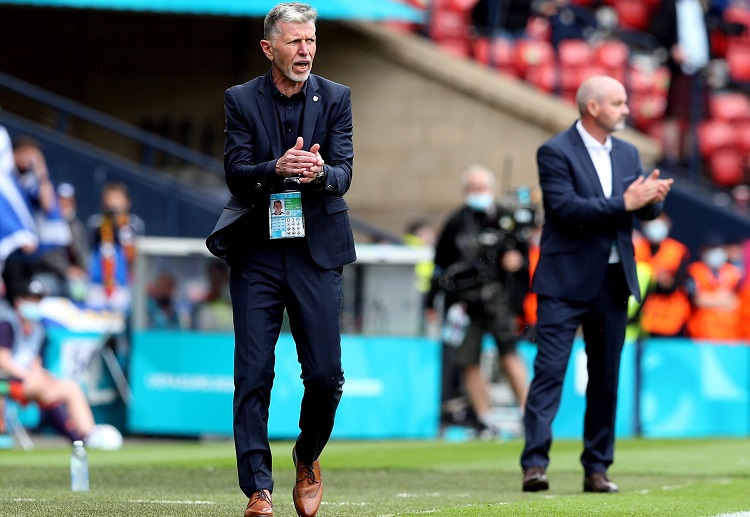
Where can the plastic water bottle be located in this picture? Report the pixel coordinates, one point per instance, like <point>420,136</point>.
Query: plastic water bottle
<point>79,468</point>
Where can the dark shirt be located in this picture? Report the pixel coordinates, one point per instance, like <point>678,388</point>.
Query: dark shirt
<point>289,111</point>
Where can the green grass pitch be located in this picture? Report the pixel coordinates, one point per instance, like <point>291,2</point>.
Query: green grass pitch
<point>706,477</point>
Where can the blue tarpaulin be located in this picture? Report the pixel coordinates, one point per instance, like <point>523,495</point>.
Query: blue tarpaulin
<point>329,9</point>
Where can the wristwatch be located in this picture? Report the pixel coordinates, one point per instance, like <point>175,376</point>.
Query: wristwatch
<point>319,176</point>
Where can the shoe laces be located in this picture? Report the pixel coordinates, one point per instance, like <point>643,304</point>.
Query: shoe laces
<point>262,495</point>
<point>307,473</point>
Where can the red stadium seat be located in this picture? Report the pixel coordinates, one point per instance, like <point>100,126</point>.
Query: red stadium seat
<point>574,53</point>
<point>538,27</point>
<point>498,50</point>
<point>572,77</point>
<point>726,167</point>
<point>738,60</point>
<point>716,135</point>
<point>633,14</point>
<point>743,136</point>
<point>448,25</point>
<point>530,53</point>
<point>543,77</point>
<point>646,109</point>
<point>612,54</point>
<point>641,80</point>
<point>737,14</point>
<point>729,106</point>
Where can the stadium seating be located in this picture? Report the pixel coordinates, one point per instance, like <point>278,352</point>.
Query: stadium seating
<point>632,14</point>
<point>723,139</point>
<point>726,167</point>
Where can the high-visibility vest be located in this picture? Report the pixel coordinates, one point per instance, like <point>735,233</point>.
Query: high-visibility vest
<point>645,283</point>
<point>745,309</point>
<point>714,322</point>
<point>664,314</point>
<point>530,301</point>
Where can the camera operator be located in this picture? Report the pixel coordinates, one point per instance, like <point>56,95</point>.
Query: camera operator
<point>481,266</point>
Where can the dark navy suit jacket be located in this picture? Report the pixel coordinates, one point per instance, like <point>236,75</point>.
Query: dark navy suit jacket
<point>580,223</point>
<point>253,145</point>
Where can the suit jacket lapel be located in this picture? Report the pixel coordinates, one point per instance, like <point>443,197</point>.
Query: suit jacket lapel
<point>267,110</point>
<point>310,115</point>
<point>585,159</point>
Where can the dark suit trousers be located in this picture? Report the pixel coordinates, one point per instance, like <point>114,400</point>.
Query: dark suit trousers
<point>603,320</point>
<point>268,276</point>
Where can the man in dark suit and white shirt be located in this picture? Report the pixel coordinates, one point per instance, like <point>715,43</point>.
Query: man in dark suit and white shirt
<point>592,184</point>
<point>287,131</point>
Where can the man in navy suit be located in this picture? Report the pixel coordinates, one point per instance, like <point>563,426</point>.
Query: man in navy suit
<point>289,132</point>
<point>592,184</point>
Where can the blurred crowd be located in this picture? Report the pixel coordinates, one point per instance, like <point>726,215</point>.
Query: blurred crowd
<point>478,286</point>
<point>91,261</point>
<point>685,64</point>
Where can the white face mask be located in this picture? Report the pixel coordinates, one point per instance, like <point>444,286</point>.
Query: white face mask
<point>714,257</point>
<point>479,201</point>
<point>656,231</point>
<point>30,311</point>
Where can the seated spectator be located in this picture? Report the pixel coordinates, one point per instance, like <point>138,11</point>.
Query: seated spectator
<point>68,264</point>
<point>22,339</point>
<point>214,312</point>
<point>76,255</point>
<point>713,285</point>
<point>666,309</point>
<point>113,235</point>
<point>35,205</point>
<point>568,20</point>
<point>160,306</point>
<point>16,232</point>
<point>501,18</point>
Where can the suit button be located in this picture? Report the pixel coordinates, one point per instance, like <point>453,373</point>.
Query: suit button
<point>329,188</point>
<point>257,185</point>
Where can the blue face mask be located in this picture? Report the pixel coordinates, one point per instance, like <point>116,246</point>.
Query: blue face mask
<point>479,201</point>
<point>30,311</point>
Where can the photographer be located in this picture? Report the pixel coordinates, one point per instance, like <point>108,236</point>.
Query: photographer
<point>481,266</point>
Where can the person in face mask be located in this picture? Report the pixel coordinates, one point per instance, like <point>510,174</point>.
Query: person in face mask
<point>22,340</point>
<point>713,286</point>
<point>160,306</point>
<point>481,267</point>
<point>113,233</point>
<point>666,308</point>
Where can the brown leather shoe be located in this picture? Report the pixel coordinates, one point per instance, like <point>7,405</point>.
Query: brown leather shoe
<point>535,479</point>
<point>260,505</point>
<point>308,490</point>
<point>598,482</point>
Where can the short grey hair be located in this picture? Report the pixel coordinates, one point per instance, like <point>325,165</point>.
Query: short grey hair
<point>477,170</point>
<point>287,12</point>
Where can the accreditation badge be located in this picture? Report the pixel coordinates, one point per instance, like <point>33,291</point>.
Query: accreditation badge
<point>285,219</point>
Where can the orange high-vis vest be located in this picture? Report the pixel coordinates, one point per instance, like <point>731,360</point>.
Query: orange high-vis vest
<point>745,309</point>
<point>714,322</point>
<point>529,302</point>
<point>664,314</point>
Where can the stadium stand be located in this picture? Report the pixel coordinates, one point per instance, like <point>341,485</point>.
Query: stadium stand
<point>628,54</point>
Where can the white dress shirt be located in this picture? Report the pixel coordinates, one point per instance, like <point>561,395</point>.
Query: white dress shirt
<point>600,155</point>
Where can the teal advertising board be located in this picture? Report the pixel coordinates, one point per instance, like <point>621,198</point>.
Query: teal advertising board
<point>693,389</point>
<point>182,384</point>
